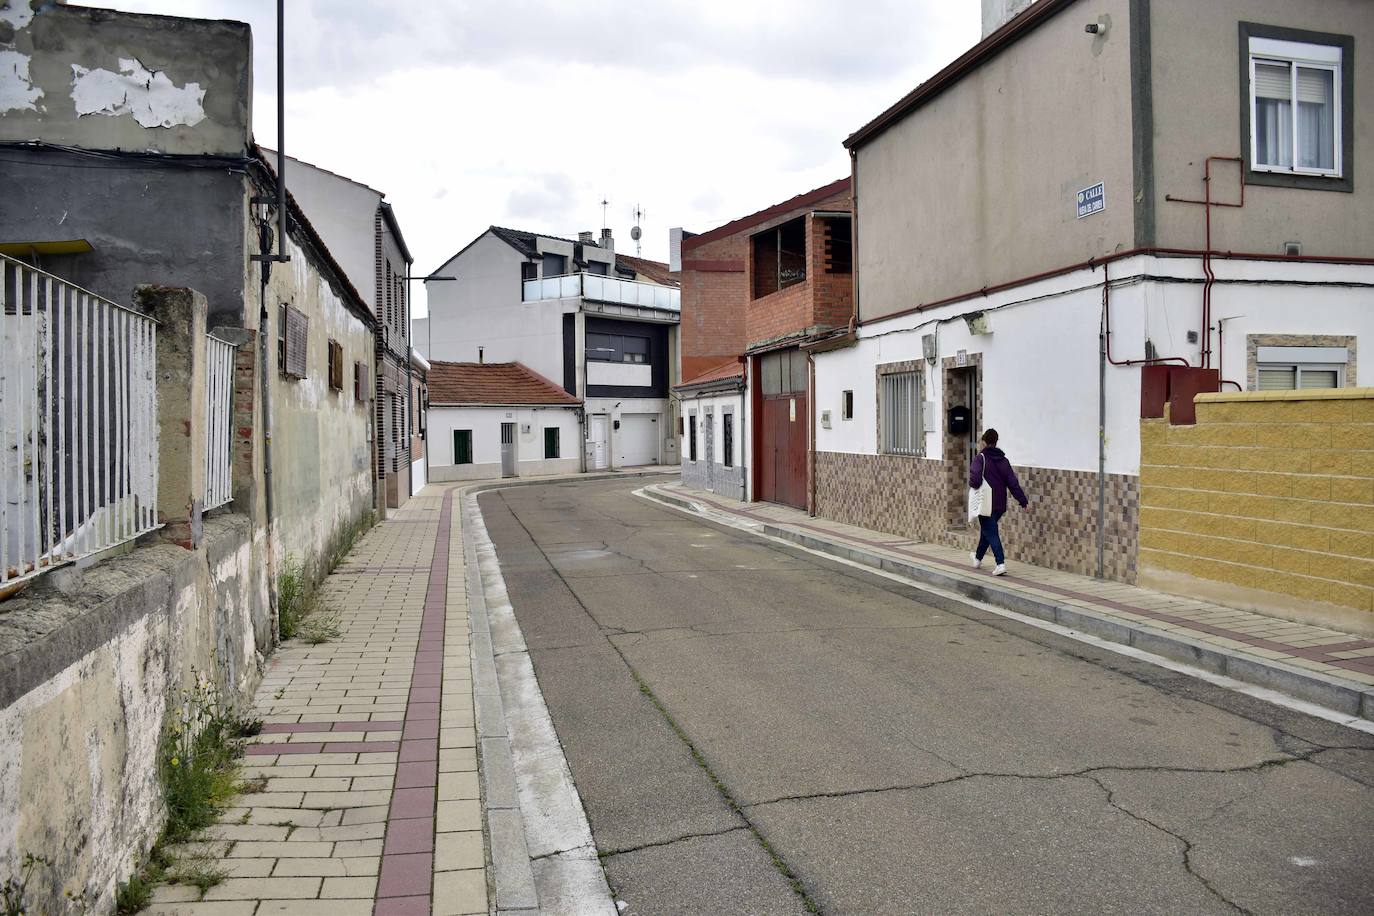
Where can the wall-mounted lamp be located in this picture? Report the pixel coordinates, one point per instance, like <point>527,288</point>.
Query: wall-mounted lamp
<point>1100,27</point>
<point>978,323</point>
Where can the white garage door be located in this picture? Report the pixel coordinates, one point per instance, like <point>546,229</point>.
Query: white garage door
<point>636,442</point>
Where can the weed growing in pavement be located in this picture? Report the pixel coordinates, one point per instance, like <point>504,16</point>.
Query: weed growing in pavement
<point>136,893</point>
<point>198,759</point>
<point>294,595</point>
<point>14,892</point>
<point>297,589</point>
<point>321,628</point>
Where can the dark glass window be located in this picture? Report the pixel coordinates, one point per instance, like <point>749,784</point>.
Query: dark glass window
<point>692,437</point>
<point>727,438</point>
<point>462,446</point>
<point>551,442</point>
<point>555,265</point>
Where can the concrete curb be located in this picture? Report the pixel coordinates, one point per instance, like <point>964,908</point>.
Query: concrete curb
<point>543,859</point>
<point>1345,697</point>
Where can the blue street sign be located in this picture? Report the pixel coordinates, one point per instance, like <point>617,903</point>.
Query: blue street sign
<point>1091,200</point>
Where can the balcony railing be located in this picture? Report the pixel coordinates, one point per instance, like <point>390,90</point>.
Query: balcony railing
<point>597,288</point>
<point>78,422</point>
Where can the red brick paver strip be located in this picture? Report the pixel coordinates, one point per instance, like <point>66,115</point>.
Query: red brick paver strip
<point>351,757</point>
<point>1260,636</point>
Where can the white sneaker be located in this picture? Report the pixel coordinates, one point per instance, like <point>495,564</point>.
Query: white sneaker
<point>977,563</point>
<point>1000,569</point>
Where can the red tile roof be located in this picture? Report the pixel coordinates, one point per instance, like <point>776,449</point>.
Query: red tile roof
<point>732,369</point>
<point>502,384</point>
<point>653,271</point>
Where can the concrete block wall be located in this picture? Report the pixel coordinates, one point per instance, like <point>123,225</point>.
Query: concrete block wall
<point>1268,502</point>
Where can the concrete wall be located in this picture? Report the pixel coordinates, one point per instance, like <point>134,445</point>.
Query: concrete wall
<point>485,423</point>
<point>189,233</point>
<point>103,80</point>
<point>88,661</point>
<point>1197,100</point>
<point>321,438</point>
<point>1268,502</point>
<point>710,472</point>
<point>979,185</point>
<point>483,309</point>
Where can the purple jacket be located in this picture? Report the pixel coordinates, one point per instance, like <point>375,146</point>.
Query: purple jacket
<point>993,462</point>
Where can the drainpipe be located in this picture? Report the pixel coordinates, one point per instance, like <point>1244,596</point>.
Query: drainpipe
<point>811,450</point>
<point>1102,431</point>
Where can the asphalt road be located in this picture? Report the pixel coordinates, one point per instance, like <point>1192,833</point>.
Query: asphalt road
<point>757,730</point>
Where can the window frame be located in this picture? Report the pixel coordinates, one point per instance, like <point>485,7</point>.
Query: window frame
<point>847,404</point>
<point>691,435</point>
<point>890,430</point>
<point>557,443</point>
<point>727,437</point>
<point>1298,369</point>
<point>457,453</point>
<point>1343,46</point>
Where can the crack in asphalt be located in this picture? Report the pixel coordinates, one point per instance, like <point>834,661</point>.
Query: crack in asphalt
<point>1184,842</point>
<point>1086,772</point>
<point>658,843</point>
<point>1178,689</point>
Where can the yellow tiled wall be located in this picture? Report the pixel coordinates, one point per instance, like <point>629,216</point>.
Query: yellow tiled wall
<point>1270,490</point>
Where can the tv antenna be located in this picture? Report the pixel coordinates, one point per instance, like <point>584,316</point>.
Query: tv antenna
<point>604,204</point>
<point>636,233</point>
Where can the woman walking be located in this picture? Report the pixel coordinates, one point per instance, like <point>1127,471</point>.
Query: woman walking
<point>991,464</point>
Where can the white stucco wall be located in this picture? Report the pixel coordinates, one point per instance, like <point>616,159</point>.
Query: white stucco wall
<point>342,212</point>
<point>483,309</point>
<point>485,423</point>
<point>1040,363</point>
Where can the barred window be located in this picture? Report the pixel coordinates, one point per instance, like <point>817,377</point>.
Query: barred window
<point>900,407</point>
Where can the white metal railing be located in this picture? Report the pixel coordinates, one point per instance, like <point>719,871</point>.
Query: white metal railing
<point>219,416</point>
<point>78,422</point>
<point>603,289</point>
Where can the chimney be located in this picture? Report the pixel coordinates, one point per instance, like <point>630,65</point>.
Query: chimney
<point>584,237</point>
<point>607,242</point>
<point>997,13</point>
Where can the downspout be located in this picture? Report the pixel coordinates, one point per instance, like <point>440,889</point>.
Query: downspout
<point>1102,431</point>
<point>265,383</point>
<point>811,450</point>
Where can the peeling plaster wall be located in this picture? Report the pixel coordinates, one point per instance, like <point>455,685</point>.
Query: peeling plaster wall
<point>321,437</point>
<point>101,79</point>
<point>87,662</point>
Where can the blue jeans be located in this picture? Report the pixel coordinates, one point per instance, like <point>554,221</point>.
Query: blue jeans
<point>988,536</point>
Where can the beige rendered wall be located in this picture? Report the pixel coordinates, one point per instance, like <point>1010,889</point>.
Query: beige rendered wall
<point>1197,96</point>
<point>979,186</point>
<point>1267,503</point>
<point>321,447</point>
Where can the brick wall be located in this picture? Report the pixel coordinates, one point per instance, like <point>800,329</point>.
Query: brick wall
<point>712,329</point>
<point>1271,492</point>
<point>719,317</point>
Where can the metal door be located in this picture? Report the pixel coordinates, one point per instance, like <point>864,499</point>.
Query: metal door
<point>709,437</point>
<point>599,429</point>
<point>782,468</point>
<point>507,449</point>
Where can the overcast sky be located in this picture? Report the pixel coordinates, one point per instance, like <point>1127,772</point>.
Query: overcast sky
<point>527,113</point>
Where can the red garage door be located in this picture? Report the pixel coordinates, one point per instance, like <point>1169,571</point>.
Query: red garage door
<point>781,449</point>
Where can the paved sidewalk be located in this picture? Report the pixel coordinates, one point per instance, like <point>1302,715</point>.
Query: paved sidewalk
<point>1314,663</point>
<point>370,802</point>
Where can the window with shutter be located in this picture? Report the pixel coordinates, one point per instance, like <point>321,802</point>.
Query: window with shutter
<point>1295,107</point>
<point>336,365</point>
<point>295,345</point>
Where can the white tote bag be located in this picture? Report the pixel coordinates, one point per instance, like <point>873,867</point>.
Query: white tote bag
<point>980,499</point>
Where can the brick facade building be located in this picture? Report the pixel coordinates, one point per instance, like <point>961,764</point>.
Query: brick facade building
<point>754,291</point>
